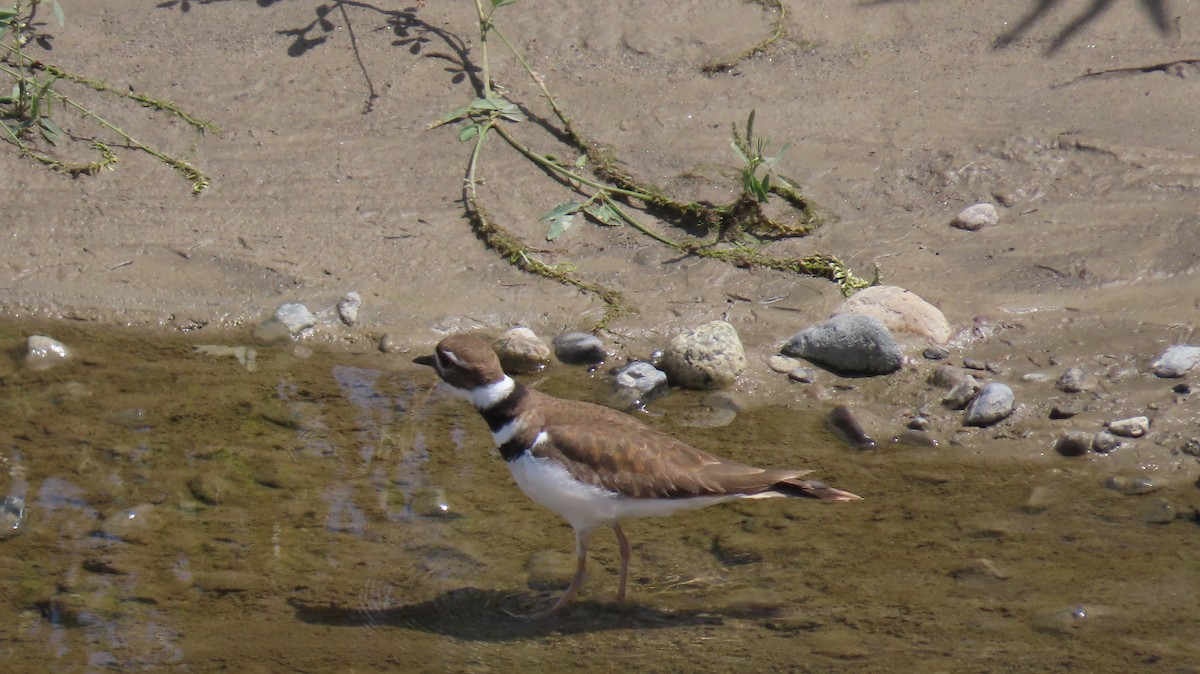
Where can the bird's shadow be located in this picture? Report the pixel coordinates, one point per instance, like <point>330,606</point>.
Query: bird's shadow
<point>489,615</point>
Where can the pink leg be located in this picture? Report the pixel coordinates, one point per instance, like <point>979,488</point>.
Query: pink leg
<point>626,551</point>
<point>581,545</point>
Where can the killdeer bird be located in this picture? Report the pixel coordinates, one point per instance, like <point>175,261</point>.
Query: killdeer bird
<point>594,465</point>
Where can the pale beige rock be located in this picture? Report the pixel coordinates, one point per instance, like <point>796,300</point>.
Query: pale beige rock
<point>902,311</point>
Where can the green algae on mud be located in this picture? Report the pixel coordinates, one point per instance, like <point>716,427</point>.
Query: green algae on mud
<point>186,513</point>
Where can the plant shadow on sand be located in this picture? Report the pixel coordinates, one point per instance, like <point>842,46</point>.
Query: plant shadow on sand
<point>1156,10</point>
<point>490,615</point>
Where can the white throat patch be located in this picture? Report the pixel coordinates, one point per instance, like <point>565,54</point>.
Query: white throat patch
<point>486,397</point>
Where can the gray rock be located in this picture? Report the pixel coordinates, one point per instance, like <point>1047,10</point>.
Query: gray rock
<point>348,307</point>
<point>579,348</point>
<point>993,403</point>
<point>1105,442</point>
<point>389,344</point>
<point>935,353</point>
<point>1073,380</point>
<point>962,393</point>
<point>1073,443</point>
<point>849,343</point>
<point>802,375</point>
<point>1132,486</point>
<point>1176,361</point>
<point>521,351</point>
<point>711,356</point>
<point>975,218</point>
<point>842,420</point>
<point>948,376</point>
<point>640,382</point>
<point>295,317</point>
<point>1157,511</point>
<point>1133,427</point>
<point>43,353</point>
<point>1064,411</point>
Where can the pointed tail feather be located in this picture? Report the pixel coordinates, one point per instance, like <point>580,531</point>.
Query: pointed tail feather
<point>813,489</point>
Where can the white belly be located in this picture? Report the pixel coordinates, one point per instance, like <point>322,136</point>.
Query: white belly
<point>584,506</point>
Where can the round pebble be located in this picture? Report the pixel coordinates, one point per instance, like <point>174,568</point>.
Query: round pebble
<point>43,353</point>
<point>1073,380</point>
<point>976,217</point>
<point>295,317</point>
<point>962,393</point>
<point>782,364</point>
<point>708,357</point>
<point>1064,411</point>
<point>1132,486</point>
<point>802,375</point>
<point>1133,427</point>
<point>640,382</point>
<point>521,351</point>
<point>579,348</point>
<point>1073,443</point>
<point>993,403</point>
<point>1105,442</point>
<point>348,307</point>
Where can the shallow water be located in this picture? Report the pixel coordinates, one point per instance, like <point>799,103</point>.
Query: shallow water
<point>331,512</point>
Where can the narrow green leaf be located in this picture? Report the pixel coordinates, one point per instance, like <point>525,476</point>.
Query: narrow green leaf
<point>7,13</point>
<point>451,116</point>
<point>58,13</point>
<point>51,131</point>
<point>469,132</point>
<point>561,210</point>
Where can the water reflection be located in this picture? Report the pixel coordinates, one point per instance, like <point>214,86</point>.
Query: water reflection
<point>329,513</point>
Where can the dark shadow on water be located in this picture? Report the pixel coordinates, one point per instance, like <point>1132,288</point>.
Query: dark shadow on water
<point>1156,10</point>
<point>489,615</point>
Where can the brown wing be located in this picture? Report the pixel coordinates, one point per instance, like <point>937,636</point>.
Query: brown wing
<point>640,462</point>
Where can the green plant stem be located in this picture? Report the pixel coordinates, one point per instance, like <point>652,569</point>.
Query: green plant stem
<point>198,179</point>
<point>516,252</point>
<point>570,175</point>
<point>485,25</point>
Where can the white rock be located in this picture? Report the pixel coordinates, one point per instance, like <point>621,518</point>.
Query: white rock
<point>43,353</point>
<point>295,317</point>
<point>1176,361</point>
<point>1133,427</point>
<point>348,306</point>
<point>974,218</point>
